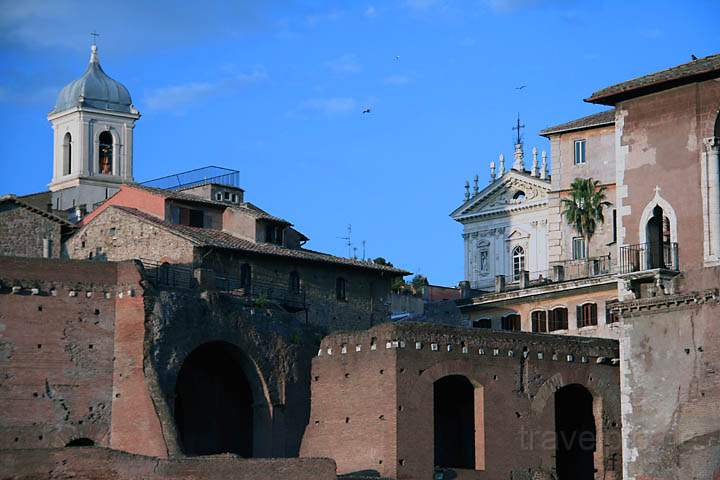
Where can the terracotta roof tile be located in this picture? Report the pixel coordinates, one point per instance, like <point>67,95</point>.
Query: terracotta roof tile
<point>706,67</point>
<point>595,120</point>
<point>206,237</point>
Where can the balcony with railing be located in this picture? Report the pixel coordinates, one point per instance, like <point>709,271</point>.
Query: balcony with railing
<point>649,256</point>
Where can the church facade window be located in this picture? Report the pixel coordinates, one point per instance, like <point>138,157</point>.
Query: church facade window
<point>105,153</point>
<point>67,154</point>
<point>518,262</point>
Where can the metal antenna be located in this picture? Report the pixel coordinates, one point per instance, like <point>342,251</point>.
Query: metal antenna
<point>348,240</point>
<point>363,244</point>
<point>94,34</point>
<point>518,127</point>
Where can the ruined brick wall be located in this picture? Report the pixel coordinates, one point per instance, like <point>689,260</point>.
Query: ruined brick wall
<point>100,464</point>
<point>368,292</point>
<point>516,373</point>
<point>660,142</point>
<point>56,352</point>
<point>117,235</point>
<point>22,232</point>
<point>671,388</point>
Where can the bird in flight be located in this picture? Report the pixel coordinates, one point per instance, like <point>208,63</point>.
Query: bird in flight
<point>397,57</point>
<point>366,110</point>
<point>520,87</point>
<point>692,55</point>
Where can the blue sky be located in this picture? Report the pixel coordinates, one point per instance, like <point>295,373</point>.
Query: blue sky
<point>276,90</point>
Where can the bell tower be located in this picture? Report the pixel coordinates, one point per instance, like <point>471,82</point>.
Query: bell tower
<point>93,123</point>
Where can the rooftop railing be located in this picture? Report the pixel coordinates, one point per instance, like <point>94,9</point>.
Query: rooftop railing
<point>196,178</point>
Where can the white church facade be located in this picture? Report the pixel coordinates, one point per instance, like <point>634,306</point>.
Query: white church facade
<point>505,225</point>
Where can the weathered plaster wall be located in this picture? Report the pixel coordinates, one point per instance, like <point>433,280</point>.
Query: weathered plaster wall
<point>661,142</point>
<point>518,374</point>
<point>670,384</point>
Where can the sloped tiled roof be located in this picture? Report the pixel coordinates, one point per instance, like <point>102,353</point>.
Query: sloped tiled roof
<point>51,216</point>
<point>248,207</point>
<point>700,69</point>
<point>206,237</point>
<point>595,120</point>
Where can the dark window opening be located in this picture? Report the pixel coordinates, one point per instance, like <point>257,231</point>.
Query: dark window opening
<point>189,217</point>
<point>614,225</point>
<point>511,322</point>
<point>575,433</point>
<point>274,234</point>
<point>245,276</point>
<point>656,239</point>
<point>340,289</point>
<point>539,321</point>
<point>67,154</point>
<point>214,402</point>
<point>294,282</point>
<point>105,153</point>
<point>558,319</point>
<point>482,323</point>
<point>454,422</point>
<point>586,314</point>
<point>80,442</point>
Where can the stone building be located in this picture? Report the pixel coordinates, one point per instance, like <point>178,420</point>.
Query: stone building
<point>30,231</point>
<point>505,223</point>
<point>667,126</point>
<point>558,284</point>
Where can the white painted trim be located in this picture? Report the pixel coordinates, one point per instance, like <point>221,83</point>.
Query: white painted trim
<point>668,211</point>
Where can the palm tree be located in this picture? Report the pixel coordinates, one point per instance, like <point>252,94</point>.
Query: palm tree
<point>584,208</point>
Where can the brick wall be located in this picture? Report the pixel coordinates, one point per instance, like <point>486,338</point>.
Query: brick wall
<point>100,464</point>
<point>518,374</point>
<point>22,232</point>
<point>56,352</point>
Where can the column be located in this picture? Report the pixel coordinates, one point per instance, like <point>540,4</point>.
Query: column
<point>712,184</point>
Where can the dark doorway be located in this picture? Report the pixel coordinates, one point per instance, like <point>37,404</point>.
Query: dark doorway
<point>454,414</point>
<point>655,239</point>
<point>214,402</point>
<point>574,433</point>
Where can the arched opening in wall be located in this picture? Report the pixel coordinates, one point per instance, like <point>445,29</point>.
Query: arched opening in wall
<point>80,442</point>
<point>454,422</point>
<point>519,196</point>
<point>655,239</point>
<point>717,126</point>
<point>214,402</point>
<point>105,153</point>
<point>511,322</point>
<point>67,154</point>
<point>575,433</point>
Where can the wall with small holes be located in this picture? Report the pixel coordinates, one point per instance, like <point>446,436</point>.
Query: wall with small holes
<point>372,398</point>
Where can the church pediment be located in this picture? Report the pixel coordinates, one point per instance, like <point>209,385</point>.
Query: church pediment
<point>514,191</point>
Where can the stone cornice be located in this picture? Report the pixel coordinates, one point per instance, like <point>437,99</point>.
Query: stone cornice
<point>665,303</point>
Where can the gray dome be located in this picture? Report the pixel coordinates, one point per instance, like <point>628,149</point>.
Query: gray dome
<point>95,89</point>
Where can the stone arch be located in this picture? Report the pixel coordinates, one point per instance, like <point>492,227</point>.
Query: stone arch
<point>548,391</point>
<point>464,369</point>
<point>221,403</point>
<point>116,167</point>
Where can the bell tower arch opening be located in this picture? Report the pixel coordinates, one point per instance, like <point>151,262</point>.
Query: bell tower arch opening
<point>575,433</point>
<point>220,406</point>
<point>105,153</point>
<point>67,154</point>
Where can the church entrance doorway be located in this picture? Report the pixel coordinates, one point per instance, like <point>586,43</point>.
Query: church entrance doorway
<point>214,402</point>
<point>575,433</point>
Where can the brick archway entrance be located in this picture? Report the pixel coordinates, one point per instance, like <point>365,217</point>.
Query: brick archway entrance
<point>575,433</point>
<point>214,402</point>
<point>454,422</point>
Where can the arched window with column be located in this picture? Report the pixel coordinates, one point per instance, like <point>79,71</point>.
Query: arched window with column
<point>105,153</point>
<point>67,154</point>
